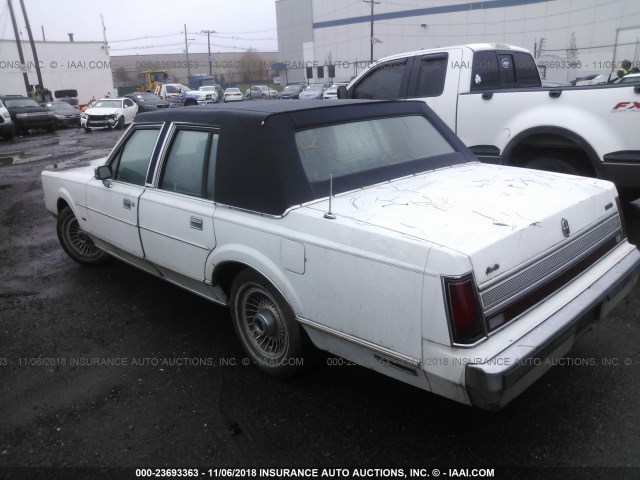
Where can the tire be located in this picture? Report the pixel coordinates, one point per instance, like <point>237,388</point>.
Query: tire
<point>628,194</point>
<point>552,163</point>
<point>77,243</point>
<point>263,96</point>
<point>120,124</point>
<point>266,326</point>
<point>9,133</point>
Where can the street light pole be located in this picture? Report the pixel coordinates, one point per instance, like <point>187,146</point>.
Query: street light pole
<point>371,2</point>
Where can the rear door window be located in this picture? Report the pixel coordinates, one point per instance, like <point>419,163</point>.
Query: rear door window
<point>430,76</point>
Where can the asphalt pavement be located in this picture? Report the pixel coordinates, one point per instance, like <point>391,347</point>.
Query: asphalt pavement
<point>111,370</point>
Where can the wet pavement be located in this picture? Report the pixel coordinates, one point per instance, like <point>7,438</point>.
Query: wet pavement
<point>110,367</point>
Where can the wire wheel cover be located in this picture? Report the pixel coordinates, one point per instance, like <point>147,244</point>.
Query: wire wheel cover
<point>263,323</point>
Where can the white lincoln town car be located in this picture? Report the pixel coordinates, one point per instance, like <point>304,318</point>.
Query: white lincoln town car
<point>362,228</point>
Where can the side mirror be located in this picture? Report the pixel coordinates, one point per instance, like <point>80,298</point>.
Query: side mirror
<point>343,92</point>
<point>103,172</point>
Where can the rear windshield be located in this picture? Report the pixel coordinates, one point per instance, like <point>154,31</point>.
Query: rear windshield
<point>357,147</point>
<point>21,102</point>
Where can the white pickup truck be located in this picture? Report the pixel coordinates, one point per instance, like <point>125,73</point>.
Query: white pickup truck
<point>491,96</point>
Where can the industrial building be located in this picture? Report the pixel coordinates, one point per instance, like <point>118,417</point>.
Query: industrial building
<point>334,39</point>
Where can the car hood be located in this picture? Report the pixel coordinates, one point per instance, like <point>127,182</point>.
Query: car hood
<point>102,111</point>
<point>495,215</point>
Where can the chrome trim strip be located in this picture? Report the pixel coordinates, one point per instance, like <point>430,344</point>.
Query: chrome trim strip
<point>527,279</point>
<point>173,238</point>
<point>404,359</point>
<point>112,217</point>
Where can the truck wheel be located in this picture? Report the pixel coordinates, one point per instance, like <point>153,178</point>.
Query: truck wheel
<point>552,163</point>
<point>266,326</point>
<point>75,242</point>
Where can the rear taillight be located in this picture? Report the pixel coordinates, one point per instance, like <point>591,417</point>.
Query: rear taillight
<point>465,317</point>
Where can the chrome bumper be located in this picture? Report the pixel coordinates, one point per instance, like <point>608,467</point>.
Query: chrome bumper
<point>494,383</point>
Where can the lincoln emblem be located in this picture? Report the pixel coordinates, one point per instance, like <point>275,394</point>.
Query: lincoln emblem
<point>565,227</point>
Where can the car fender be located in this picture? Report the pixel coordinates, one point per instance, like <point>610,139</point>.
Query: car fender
<point>258,261</point>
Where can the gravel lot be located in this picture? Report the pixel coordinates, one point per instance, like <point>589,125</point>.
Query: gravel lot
<point>110,367</point>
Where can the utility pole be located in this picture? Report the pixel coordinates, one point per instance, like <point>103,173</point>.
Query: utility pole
<point>186,46</point>
<point>19,44</point>
<point>104,36</point>
<point>35,53</point>
<point>372,3</point>
<point>209,32</point>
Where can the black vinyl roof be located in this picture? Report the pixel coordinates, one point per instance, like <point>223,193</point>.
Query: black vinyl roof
<point>258,166</point>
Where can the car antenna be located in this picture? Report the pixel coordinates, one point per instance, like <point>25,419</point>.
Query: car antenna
<point>329,215</point>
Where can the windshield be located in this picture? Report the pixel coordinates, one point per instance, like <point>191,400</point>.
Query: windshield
<point>292,88</point>
<point>108,104</point>
<point>314,87</point>
<point>357,147</point>
<point>146,97</point>
<point>61,106</point>
<point>20,102</point>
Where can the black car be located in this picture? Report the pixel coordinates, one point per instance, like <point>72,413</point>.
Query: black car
<point>26,113</point>
<point>147,102</point>
<point>291,91</point>
<point>65,114</point>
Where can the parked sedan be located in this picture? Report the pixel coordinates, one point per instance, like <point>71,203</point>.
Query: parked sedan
<point>65,114</point>
<point>7,129</point>
<point>313,91</point>
<point>363,228</point>
<point>26,113</point>
<point>331,93</point>
<point>232,95</point>
<point>291,91</point>
<point>109,113</point>
<point>629,78</point>
<point>147,102</point>
<point>261,91</point>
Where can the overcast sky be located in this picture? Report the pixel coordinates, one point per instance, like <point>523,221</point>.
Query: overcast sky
<point>150,27</point>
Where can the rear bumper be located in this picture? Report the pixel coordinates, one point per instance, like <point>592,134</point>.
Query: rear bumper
<point>622,168</point>
<point>494,383</point>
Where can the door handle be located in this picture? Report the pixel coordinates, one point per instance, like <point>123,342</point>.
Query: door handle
<point>126,203</point>
<point>196,223</point>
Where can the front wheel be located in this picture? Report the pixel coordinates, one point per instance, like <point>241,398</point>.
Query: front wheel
<point>120,124</point>
<point>75,242</point>
<point>266,326</point>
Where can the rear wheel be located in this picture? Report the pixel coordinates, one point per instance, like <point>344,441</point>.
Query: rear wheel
<point>266,326</point>
<point>75,242</point>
